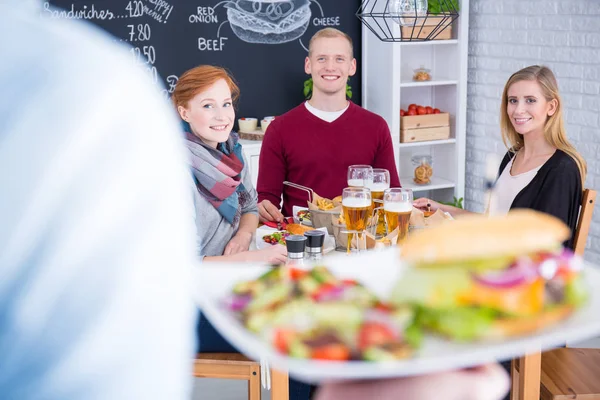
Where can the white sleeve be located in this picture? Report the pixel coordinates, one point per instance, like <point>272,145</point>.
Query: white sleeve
<point>97,236</point>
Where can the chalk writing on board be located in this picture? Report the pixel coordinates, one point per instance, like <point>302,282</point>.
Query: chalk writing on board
<point>204,15</point>
<point>135,9</point>
<point>139,32</point>
<point>211,44</point>
<point>160,10</point>
<point>83,12</point>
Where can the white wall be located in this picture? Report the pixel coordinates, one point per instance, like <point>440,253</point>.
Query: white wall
<point>507,35</point>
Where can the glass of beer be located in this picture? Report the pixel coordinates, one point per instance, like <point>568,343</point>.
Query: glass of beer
<point>381,181</point>
<point>360,175</point>
<point>397,206</point>
<point>356,205</point>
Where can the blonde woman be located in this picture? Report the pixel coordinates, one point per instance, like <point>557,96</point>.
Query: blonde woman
<point>541,170</point>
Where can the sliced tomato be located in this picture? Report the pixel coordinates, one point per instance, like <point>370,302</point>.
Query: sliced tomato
<point>374,334</point>
<point>350,282</point>
<point>383,306</point>
<point>283,338</point>
<point>331,352</point>
<point>296,273</point>
<point>322,290</point>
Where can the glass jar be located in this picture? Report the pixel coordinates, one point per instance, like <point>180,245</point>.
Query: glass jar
<point>407,12</point>
<point>423,169</point>
<point>422,74</point>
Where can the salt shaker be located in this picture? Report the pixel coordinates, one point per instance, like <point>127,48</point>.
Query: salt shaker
<point>314,245</point>
<point>295,249</point>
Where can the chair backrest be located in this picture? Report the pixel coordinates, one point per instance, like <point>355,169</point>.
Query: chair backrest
<point>585,219</point>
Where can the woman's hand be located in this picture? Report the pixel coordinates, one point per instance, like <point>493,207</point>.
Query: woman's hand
<point>424,203</point>
<point>239,243</point>
<point>273,254</point>
<point>488,382</point>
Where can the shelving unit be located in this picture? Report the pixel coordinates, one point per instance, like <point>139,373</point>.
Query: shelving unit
<point>387,86</point>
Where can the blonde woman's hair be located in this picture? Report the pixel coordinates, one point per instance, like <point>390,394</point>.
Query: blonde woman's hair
<point>554,129</point>
<point>330,33</point>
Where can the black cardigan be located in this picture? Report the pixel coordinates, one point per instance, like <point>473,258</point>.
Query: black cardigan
<point>556,189</point>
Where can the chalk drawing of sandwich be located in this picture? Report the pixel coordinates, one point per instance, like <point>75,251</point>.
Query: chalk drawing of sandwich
<point>268,21</point>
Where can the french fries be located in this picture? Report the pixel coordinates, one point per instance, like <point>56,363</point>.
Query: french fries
<point>324,204</point>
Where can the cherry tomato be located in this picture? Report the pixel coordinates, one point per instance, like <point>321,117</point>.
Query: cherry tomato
<point>331,352</point>
<point>402,113</point>
<point>436,110</point>
<point>296,273</point>
<point>421,110</point>
<point>412,107</point>
<point>282,339</point>
<point>429,110</point>
<point>412,112</point>
<point>374,334</point>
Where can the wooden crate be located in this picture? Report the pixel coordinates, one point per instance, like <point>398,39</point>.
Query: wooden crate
<point>420,128</point>
<point>421,32</point>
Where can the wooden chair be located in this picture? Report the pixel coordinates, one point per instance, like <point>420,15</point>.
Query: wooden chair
<point>237,366</point>
<point>561,373</point>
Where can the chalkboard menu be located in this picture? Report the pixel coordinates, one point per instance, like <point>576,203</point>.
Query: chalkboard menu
<point>262,42</point>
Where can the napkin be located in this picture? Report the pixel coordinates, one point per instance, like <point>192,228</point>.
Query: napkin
<point>418,219</point>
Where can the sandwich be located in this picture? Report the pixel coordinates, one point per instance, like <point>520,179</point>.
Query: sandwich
<point>268,21</point>
<point>491,278</point>
<point>298,229</point>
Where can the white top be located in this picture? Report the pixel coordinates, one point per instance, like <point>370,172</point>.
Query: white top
<point>328,116</point>
<point>97,232</point>
<point>508,187</point>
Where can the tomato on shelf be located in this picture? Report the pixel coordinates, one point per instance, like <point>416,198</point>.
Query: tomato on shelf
<point>416,109</point>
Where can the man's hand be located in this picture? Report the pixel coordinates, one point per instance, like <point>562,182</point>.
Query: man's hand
<point>488,382</point>
<point>239,243</point>
<point>268,212</point>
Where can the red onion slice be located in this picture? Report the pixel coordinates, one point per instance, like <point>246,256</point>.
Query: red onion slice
<point>237,302</point>
<point>523,270</point>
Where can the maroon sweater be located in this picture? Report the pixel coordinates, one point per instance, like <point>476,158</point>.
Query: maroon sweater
<point>302,148</point>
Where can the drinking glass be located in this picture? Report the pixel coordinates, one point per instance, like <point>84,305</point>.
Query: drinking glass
<point>356,205</point>
<point>360,175</point>
<point>397,206</point>
<point>381,181</point>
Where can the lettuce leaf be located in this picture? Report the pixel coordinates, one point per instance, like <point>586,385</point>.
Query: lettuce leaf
<point>462,324</point>
<point>576,292</point>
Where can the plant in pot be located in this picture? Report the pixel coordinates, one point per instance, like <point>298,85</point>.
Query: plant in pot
<point>308,86</point>
<point>437,7</point>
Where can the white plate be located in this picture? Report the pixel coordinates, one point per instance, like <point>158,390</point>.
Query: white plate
<point>379,271</point>
<point>295,210</point>
<point>328,243</point>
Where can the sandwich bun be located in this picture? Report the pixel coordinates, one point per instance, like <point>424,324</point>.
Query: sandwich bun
<point>510,327</point>
<point>480,237</point>
<point>298,229</point>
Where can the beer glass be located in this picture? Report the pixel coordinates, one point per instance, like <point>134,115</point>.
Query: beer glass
<point>360,175</point>
<point>397,206</point>
<point>356,205</point>
<point>381,181</point>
